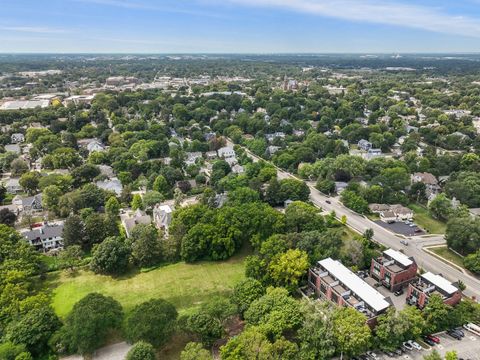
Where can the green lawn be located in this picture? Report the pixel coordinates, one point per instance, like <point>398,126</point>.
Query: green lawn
<point>448,254</point>
<point>424,219</point>
<point>185,285</point>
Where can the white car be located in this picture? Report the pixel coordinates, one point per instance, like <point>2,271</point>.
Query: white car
<point>372,355</point>
<point>415,345</point>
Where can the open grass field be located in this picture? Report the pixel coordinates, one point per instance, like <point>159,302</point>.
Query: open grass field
<point>184,285</point>
<point>424,219</point>
<point>448,254</point>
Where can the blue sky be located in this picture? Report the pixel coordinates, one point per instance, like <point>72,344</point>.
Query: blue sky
<point>239,26</point>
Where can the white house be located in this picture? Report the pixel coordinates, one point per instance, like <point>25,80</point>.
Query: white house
<point>112,184</point>
<point>46,237</point>
<point>226,152</point>
<point>17,138</point>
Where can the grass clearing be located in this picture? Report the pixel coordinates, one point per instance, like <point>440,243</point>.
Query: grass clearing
<point>425,220</point>
<point>184,285</point>
<point>447,254</point>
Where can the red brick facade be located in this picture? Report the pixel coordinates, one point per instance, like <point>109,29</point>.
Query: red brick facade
<point>392,276</point>
<point>417,296</point>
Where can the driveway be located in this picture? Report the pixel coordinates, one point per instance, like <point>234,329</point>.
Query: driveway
<point>112,352</point>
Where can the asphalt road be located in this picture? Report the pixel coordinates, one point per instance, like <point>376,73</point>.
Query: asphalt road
<point>387,238</point>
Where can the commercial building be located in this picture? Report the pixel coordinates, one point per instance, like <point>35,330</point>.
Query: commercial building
<point>393,269</point>
<point>428,284</point>
<point>333,281</point>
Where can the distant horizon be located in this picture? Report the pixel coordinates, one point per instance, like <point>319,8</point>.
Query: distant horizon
<point>366,53</point>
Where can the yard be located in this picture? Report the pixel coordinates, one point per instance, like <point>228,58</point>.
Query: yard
<point>424,219</point>
<point>185,285</point>
<point>446,253</point>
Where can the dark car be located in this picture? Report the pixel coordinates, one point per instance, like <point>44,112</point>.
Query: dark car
<point>398,292</point>
<point>428,341</point>
<point>328,201</point>
<point>460,331</point>
<point>454,334</point>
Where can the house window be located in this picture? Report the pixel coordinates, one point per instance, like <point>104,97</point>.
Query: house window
<point>323,288</point>
<point>388,277</point>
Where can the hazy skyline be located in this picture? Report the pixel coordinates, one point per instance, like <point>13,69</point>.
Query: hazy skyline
<point>236,26</point>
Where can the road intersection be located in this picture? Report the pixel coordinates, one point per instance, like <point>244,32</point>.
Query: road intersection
<point>415,246</point>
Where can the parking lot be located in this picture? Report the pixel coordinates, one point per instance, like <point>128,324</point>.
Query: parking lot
<point>401,228</point>
<point>467,348</point>
<point>398,301</point>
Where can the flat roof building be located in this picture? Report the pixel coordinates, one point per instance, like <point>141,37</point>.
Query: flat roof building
<point>393,269</point>
<point>428,284</point>
<point>335,282</point>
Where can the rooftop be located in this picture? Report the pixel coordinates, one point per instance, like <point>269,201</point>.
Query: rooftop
<point>440,282</point>
<point>399,257</point>
<point>364,291</point>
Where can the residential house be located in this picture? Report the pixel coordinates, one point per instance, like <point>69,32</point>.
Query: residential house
<point>271,149</point>
<point>192,157</point>
<point>364,145</point>
<point>420,290</point>
<point>340,186</point>
<point>392,213</point>
<point>393,269</point>
<point>131,219</point>
<point>112,184</point>
<point>15,148</point>
<point>13,186</point>
<point>333,281</point>
<point>46,237</point>
<point>275,135</point>
<point>226,152</point>
<point>28,204</point>
<point>430,181</point>
<point>238,169</point>
<point>373,153</point>
<point>17,138</point>
<point>162,216</point>
<point>106,171</point>
<point>211,155</point>
<point>95,145</point>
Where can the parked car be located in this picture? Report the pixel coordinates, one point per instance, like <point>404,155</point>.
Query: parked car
<point>372,355</point>
<point>398,292</point>
<point>454,334</point>
<point>407,346</point>
<point>434,338</point>
<point>415,345</point>
<point>404,242</point>
<point>428,341</point>
<point>460,331</point>
<point>398,351</point>
<point>389,353</point>
<point>328,201</point>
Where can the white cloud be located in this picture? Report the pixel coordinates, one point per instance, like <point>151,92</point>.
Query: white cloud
<point>380,12</point>
<point>167,6</point>
<point>33,29</point>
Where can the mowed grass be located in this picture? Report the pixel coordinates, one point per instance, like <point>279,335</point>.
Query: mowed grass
<point>184,285</point>
<point>446,253</point>
<point>424,219</point>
